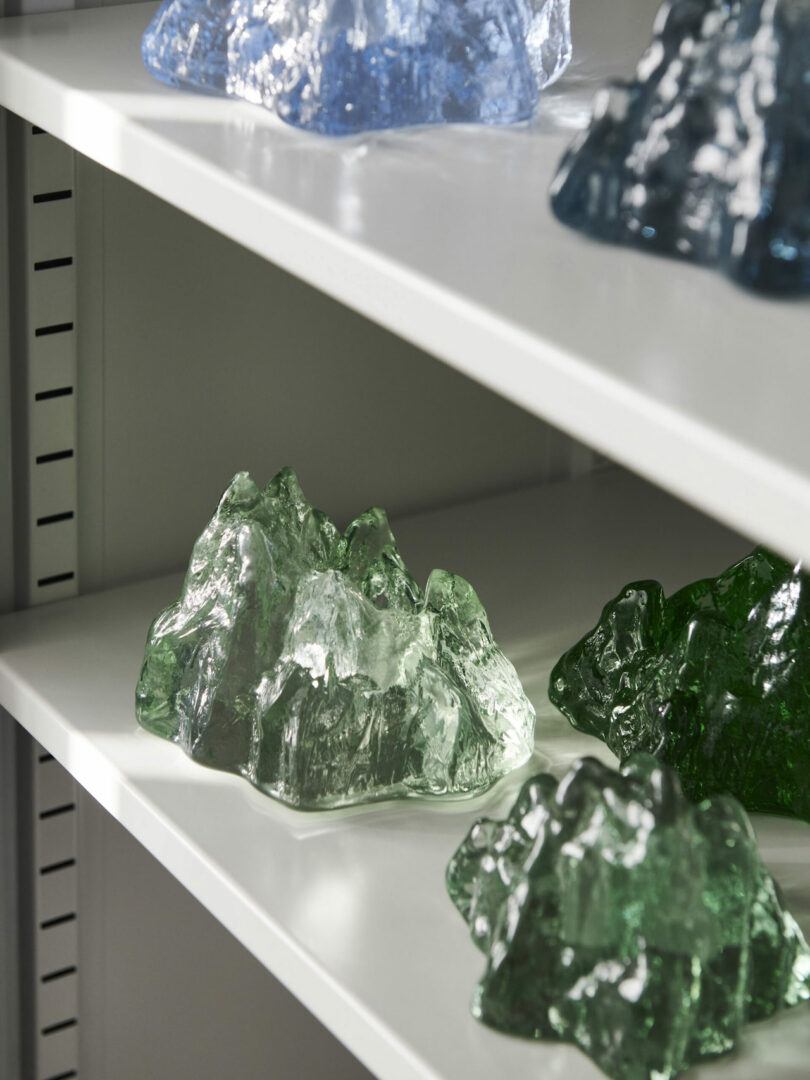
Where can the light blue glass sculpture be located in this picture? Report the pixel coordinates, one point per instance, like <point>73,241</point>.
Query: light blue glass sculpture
<point>343,66</point>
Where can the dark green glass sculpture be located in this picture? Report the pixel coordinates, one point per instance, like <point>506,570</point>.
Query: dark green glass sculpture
<point>312,664</point>
<point>714,680</point>
<point>619,916</point>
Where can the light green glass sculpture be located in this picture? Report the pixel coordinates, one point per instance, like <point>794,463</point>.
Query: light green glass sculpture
<point>312,664</point>
<point>619,916</point>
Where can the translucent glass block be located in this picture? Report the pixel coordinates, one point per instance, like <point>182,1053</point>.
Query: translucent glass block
<point>705,154</point>
<point>714,680</point>
<point>311,662</point>
<point>617,915</point>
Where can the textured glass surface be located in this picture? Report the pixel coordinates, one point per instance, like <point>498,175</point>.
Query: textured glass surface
<point>706,153</point>
<point>618,916</point>
<point>714,680</point>
<point>341,66</point>
<point>311,662</point>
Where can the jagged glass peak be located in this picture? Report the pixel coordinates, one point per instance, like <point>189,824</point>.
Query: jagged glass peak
<point>548,39</point>
<point>617,915</point>
<point>705,154</point>
<point>311,663</point>
<point>342,66</point>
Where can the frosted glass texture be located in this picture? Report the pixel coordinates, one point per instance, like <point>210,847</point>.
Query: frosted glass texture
<point>344,66</point>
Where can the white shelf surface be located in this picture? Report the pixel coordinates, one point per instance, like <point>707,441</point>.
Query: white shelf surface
<point>445,236</point>
<point>349,909</point>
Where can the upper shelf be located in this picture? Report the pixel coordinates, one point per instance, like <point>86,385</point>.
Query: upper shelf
<point>445,237</point>
<point>349,908</point>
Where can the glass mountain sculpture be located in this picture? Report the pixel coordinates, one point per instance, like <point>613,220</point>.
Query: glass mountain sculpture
<point>714,680</point>
<point>343,66</point>
<point>313,665</point>
<point>706,153</point>
<point>618,916</point>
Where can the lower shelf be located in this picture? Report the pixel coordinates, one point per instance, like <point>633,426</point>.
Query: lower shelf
<point>348,909</point>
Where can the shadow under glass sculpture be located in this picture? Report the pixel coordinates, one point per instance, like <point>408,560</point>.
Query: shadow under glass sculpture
<point>706,153</point>
<point>714,680</point>
<point>344,66</point>
<point>312,664</point>
<point>620,917</point>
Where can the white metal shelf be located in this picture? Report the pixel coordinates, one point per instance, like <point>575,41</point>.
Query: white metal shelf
<point>445,237</point>
<point>349,909</point>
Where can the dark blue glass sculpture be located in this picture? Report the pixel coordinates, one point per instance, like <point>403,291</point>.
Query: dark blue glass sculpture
<point>706,153</point>
<point>342,66</point>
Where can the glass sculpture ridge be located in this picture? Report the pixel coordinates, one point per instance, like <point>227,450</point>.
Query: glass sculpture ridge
<point>617,915</point>
<point>714,680</point>
<point>312,664</point>
<point>705,154</point>
<point>344,66</point>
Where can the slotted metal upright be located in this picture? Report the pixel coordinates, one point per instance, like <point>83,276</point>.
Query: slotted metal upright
<point>38,562</point>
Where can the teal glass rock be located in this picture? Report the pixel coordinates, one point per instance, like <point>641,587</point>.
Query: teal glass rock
<point>705,154</point>
<point>619,916</point>
<point>714,680</point>
<point>312,664</point>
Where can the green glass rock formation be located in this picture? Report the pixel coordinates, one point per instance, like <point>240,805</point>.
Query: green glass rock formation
<point>312,664</point>
<point>714,680</point>
<point>619,916</point>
